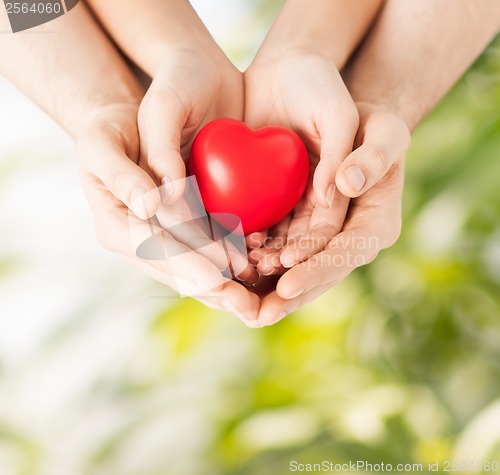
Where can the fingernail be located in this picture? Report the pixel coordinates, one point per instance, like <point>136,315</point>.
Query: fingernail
<point>288,261</point>
<point>356,177</point>
<point>244,317</point>
<point>137,202</point>
<point>228,305</point>
<point>253,259</point>
<point>330,195</point>
<point>265,274</point>
<point>252,323</point>
<point>296,294</point>
<point>166,188</point>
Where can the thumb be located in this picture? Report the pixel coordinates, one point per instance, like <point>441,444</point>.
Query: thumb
<point>161,121</point>
<point>337,131</point>
<point>385,139</point>
<point>129,183</point>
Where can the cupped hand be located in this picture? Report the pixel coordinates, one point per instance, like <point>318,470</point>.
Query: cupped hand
<point>124,200</point>
<point>304,92</point>
<point>189,89</point>
<point>373,222</point>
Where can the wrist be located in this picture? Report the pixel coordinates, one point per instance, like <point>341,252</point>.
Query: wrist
<point>200,61</point>
<point>209,53</point>
<point>407,112</point>
<point>296,48</point>
<point>331,29</point>
<point>290,59</point>
<point>383,94</point>
<point>197,41</point>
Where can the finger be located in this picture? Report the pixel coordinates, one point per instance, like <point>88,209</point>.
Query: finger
<point>107,161</point>
<point>235,248</point>
<point>196,234</point>
<point>347,251</point>
<point>230,296</point>
<point>257,255</point>
<point>269,263</point>
<point>324,225</point>
<point>234,298</point>
<point>274,308</point>
<point>386,138</point>
<point>337,128</point>
<point>299,223</point>
<point>256,240</point>
<point>202,235</point>
<point>162,118</point>
<point>118,231</point>
<point>192,273</point>
<point>278,234</point>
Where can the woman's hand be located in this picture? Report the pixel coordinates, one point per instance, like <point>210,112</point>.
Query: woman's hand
<point>304,92</point>
<point>189,89</point>
<point>109,155</point>
<point>373,222</point>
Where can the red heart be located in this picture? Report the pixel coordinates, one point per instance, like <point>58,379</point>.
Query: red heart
<point>258,175</point>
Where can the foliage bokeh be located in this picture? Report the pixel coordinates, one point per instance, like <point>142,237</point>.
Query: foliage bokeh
<point>398,364</point>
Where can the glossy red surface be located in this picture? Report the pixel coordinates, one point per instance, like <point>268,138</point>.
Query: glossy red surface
<point>258,175</point>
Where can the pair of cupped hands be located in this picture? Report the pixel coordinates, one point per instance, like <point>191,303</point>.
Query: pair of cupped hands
<point>351,208</point>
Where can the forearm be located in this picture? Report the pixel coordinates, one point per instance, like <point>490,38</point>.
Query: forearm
<point>69,68</point>
<point>330,28</point>
<point>417,50</point>
<point>149,30</point>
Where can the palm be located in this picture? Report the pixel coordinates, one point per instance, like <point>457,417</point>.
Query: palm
<point>306,94</point>
<point>188,91</point>
<point>373,223</point>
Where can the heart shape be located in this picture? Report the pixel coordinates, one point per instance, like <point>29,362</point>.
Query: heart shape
<point>258,175</point>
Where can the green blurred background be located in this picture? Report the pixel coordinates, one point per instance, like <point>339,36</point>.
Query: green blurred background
<point>102,372</point>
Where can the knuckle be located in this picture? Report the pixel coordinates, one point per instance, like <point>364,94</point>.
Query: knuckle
<point>347,110</point>
<point>378,158</point>
<point>152,157</point>
<point>114,182</point>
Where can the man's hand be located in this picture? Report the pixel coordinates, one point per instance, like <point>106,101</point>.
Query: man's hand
<point>373,222</point>
<point>394,91</point>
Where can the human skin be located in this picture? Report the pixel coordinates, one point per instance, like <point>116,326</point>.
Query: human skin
<point>294,81</point>
<point>73,63</point>
<point>158,43</point>
<point>193,83</point>
<point>193,80</point>
<point>393,90</point>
